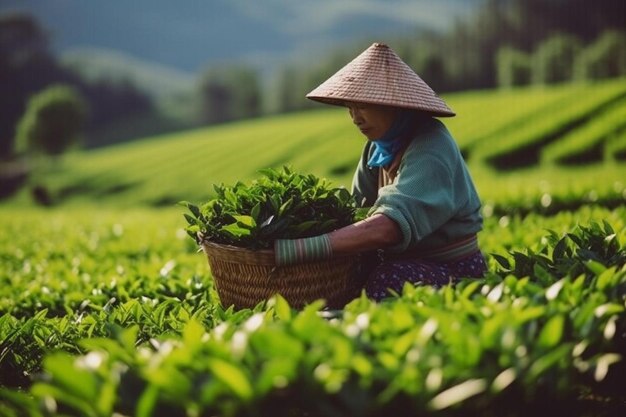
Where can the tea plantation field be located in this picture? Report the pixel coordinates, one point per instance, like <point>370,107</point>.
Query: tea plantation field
<point>108,309</point>
<point>113,311</point>
<point>539,148</point>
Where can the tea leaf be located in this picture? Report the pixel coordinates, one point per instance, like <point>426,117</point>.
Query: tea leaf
<point>458,393</point>
<point>232,376</point>
<point>552,332</point>
<point>247,221</point>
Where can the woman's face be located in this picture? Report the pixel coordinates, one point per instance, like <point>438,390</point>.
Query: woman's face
<point>373,120</point>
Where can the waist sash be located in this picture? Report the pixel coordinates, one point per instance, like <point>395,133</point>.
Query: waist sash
<point>456,250</point>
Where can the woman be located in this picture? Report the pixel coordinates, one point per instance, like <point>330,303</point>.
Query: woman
<point>425,211</point>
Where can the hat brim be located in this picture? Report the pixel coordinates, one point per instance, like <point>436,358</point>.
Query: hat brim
<point>345,102</point>
<point>379,76</point>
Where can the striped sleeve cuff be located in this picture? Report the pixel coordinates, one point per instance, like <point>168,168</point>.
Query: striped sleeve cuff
<point>295,251</point>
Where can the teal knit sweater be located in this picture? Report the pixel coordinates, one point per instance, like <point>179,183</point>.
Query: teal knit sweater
<point>432,199</point>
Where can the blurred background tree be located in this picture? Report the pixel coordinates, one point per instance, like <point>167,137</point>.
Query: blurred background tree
<point>26,66</point>
<point>54,120</point>
<point>284,99</point>
<point>514,67</point>
<point>604,58</point>
<point>553,61</point>
<point>229,93</point>
<point>503,43</point>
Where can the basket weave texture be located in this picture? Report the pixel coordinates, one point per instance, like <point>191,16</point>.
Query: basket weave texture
<point>244,278</point>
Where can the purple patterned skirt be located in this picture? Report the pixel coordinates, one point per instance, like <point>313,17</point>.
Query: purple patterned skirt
<point>391,275</point>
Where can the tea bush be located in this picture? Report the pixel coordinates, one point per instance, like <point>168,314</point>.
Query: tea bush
<point>97,318</point>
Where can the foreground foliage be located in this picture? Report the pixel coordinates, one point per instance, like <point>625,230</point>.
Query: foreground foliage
<point>126,329</point>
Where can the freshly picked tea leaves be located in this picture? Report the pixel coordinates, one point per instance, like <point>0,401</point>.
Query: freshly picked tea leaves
<point>280,205</point>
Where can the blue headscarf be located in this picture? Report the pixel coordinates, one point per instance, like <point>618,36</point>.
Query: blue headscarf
<point>387,146</point>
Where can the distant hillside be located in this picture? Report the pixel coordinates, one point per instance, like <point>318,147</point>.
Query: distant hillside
<point>154,79</point>
<point>189,35</point>
<point>172,91</point>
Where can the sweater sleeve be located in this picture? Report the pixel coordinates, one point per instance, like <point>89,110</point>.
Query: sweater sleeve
<point>365,181</point>
<point>420,200</point>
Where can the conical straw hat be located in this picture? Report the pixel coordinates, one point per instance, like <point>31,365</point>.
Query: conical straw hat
<point>379,76</point>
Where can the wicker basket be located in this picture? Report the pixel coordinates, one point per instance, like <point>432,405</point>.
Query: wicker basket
<point>245,277</point>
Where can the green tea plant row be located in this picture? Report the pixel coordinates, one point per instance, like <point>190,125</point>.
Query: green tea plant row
<point>545,329</point>
<point>127,290</point>
<point>522,146</point>
<point>551,189</point>
<point>484,114</point>
<point>175,167</point>
<point>587,143</point>
<point>616,146</point>
<point>60,260</point>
